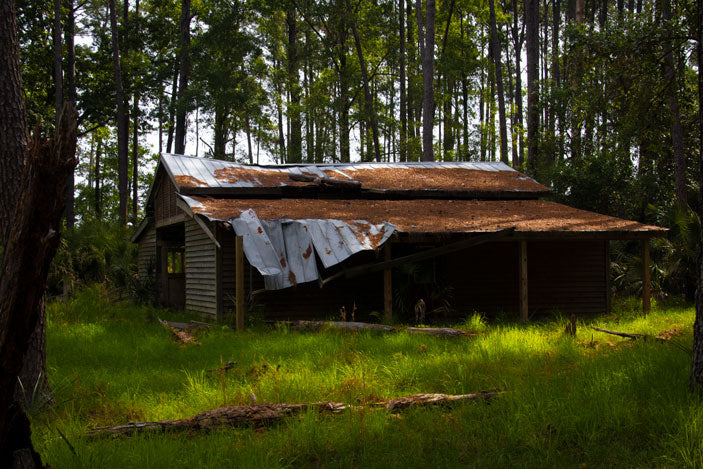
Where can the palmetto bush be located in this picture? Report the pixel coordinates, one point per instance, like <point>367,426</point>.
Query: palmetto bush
<point>673,258</point>
<point>93,252</point>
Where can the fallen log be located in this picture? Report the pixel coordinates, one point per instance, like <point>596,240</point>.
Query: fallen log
<point>342,325</point>
<point>421,400</point>
<point>261,415</point>
<point>439,331</point>
<point>363,326</point>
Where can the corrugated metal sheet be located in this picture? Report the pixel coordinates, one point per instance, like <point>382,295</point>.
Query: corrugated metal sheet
<point>285,250</point>
<point>205,172</point>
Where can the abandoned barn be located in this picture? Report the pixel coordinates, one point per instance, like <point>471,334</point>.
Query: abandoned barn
<point>370,239</point>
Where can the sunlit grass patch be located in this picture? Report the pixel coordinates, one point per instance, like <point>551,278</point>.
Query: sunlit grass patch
<point>592,399</point>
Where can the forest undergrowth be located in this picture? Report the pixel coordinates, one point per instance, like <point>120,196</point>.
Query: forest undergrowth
<point>590,400</point>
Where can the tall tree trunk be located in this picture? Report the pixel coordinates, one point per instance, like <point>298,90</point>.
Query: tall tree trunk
<point>220,132</point>
<point>532,33</point>
<point>426,42</point>
<point>184,73</point>
<point>122,130</point>
<point>517,42</point>
<point>135,157</point>
<point>403,117</point>
<point>556,79</point>
<point>13,142</point>
<point>411,74</point>
<point>172,105</point>
<point>309,111</point>
<point>368,99</point>
<point>671,78</point>
<point>497,55</point>
<point>696,378</point>
<point>481,105</point>
<point>70,34</point>
<point>58,68</point>
<point>248,131</point>
<point>135,137</point>
<point>341,34</point>
<point>295,141</point>
<point>31,204</point>
<point>97,202</point>
<point>30,246</point>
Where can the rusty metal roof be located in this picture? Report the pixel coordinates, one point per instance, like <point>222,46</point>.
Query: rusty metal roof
<point>283,236</point>
<point>434,216</point>
<point>203,175</point>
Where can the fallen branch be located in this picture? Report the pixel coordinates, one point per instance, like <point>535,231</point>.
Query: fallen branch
<point>182,336</point>
<point>225,367</point>
<point>620,334</point>
<point>260,415</point>
<point>363,326</point>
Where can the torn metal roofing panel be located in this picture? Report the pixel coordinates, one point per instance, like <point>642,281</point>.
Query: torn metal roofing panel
<point>201,174</point>
<point>284,250</point>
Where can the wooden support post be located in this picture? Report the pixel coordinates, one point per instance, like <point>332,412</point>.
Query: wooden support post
<point>239,280</point>
<point>646,280</point>
<point>608,284</point>
<point>523,281</point>
<point>387,285</point>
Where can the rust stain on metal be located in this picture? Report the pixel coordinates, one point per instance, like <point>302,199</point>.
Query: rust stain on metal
<point>327,251</point>
<point>260,230</point>
<point>451,179</point>
<point>291,277</point>
<point>419,216</point>
<point>188,181</point>
<point>307,252</point>
<point>257,177</point>
<point>283,261</point>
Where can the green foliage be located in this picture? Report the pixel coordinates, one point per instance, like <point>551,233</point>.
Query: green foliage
<point>93,252</point>
<point>673,258</point>
<point>567,401</point>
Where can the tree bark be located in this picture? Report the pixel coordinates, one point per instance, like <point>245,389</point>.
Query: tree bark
<point>403,144</point>
<point>13,122</point>
<point>31,244</point>
<point>135,157</point>
<point>426,42</point>
<point>517,41</point>
<point>368,99</point>
<point>184,74</point>
<point>122,129</point>
<point>497,55</point>
<point>261,415</point>
<point>671,78</point>
<point>532,26</point>
<point>98,205</point>
<point>70,33</point>
<point>696,377</point>
<point>58,68</point>
<point>295,141</point>
<point>172,105</point>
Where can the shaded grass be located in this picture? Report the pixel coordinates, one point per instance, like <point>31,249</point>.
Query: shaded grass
<point>593,400</point>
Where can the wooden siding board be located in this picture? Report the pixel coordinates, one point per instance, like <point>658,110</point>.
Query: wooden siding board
<point>201,270</point>
<point>147,252</point>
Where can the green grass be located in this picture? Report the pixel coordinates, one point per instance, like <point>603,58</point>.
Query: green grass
<point>590,401</point>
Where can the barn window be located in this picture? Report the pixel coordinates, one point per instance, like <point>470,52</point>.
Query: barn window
<point>175,261</point>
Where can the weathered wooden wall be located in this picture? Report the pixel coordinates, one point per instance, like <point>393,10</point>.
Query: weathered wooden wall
<point>165,200</point>
<point>147,252</point>
<point>200,269</point>
<point>566,276</point>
